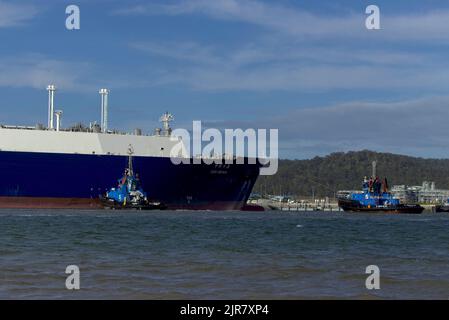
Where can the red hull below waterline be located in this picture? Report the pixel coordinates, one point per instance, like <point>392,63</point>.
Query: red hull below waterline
<point>49,203</point>
<point>81,203</point>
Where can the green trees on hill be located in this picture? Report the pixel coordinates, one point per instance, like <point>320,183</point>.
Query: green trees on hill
<point>324,176</point>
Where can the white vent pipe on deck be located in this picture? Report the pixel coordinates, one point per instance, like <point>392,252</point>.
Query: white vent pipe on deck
<point>104,109</point>
<point>51,99</point>
<point>58,114</point>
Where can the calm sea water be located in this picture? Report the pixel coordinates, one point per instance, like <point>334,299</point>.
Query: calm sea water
<point>222,255</point>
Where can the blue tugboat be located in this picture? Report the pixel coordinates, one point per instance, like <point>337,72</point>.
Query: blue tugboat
<point>375,197</point>
<point>129,193</point>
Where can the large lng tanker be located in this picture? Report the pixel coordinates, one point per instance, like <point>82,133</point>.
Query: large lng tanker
<point>52,167</point>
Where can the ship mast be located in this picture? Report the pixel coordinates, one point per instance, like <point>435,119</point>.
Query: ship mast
<point>374,164</point>
<point>166,118</point>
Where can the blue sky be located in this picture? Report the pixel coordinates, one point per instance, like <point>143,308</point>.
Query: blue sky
<point>308,68</point>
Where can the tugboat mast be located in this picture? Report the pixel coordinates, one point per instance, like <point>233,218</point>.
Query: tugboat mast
<point>130,160</point>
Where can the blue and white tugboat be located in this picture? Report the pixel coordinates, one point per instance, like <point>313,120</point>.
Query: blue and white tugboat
<point>375,197</point>
<point>129,193</point>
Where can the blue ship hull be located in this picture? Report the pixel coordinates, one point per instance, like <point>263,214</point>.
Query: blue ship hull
<point>50,180</point>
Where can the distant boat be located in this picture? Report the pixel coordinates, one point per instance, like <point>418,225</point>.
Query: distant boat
<point>375,198</point>
<point>442,207</point>
<point>380,205</point>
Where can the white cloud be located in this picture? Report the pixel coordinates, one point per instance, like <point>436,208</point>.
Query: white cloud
<point>291,21</point>
<point>186,51</point>
<point>275,17</point>
<point>13,14</point>
<point>428,27</point>
<point>303,52</point>
<point>293,53</point>
<point>417,127</point>
<point>37,71</point>
<point>279,66</point>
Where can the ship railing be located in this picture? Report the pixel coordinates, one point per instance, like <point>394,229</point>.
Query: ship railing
<point>71,129</point>
<point>220,157</point>
<point>18,127</point>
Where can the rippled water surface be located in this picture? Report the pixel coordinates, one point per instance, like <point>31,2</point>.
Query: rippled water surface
<point>222,255</point>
